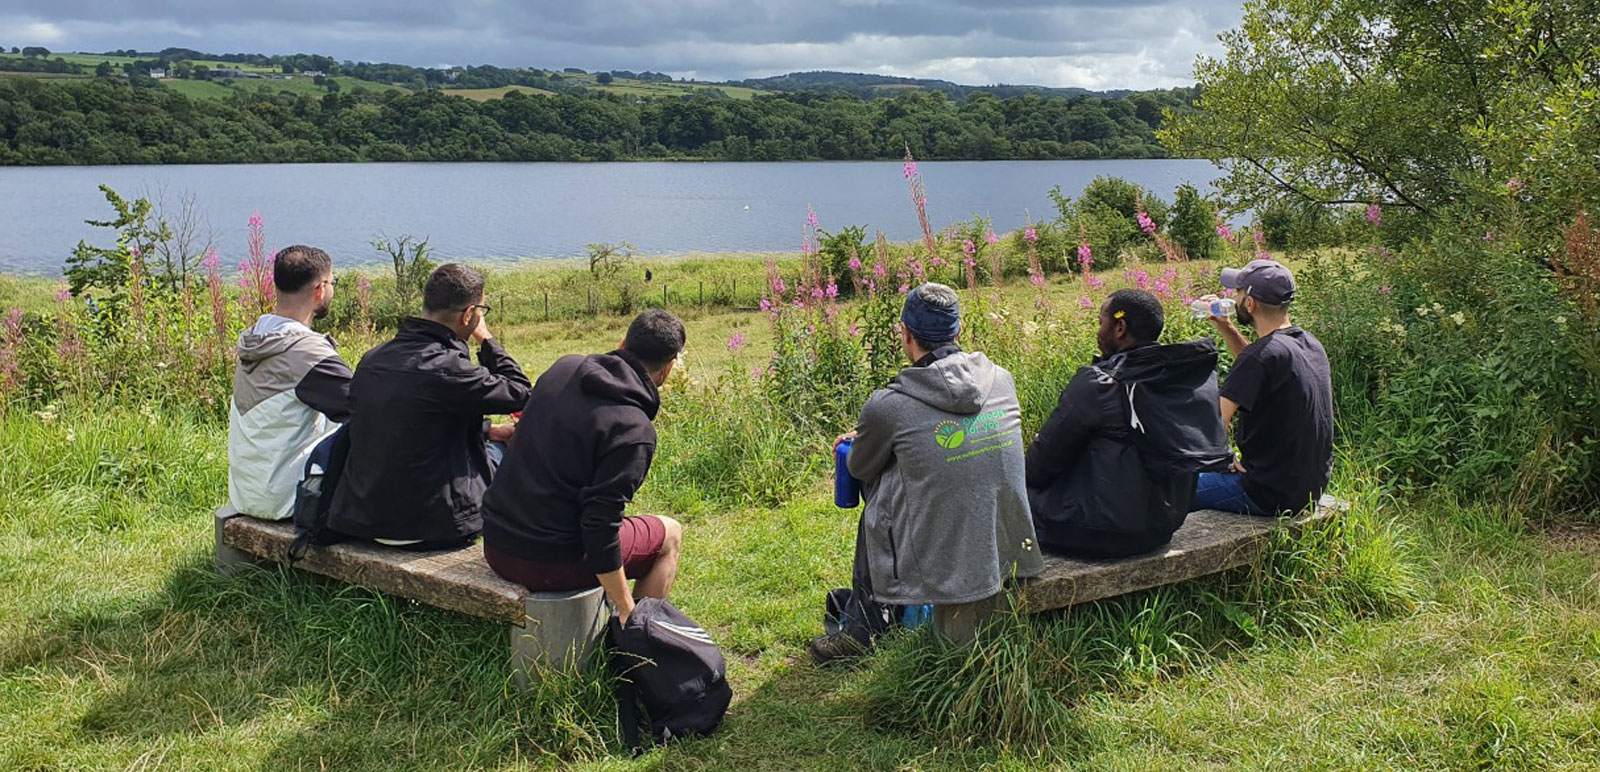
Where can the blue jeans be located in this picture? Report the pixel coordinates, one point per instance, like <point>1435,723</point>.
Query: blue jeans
<point>1224,491</point>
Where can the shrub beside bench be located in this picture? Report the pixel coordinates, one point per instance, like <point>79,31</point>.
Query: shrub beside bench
<point>560,629</point>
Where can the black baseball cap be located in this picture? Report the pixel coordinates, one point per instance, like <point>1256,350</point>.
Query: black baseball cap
<point>1265,280</point>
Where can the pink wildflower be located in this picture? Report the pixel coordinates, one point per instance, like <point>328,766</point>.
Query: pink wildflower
<point>1225,232</point>
<point>1385,290</point>
<point>811,217</point>
<point>63,295</point>
<point>736,342</point>
<point>1146,224</point>
<point>832,291</point>
<point>134,250</point>
<point>1094,282</point>
<point>1085,303</point>
<point>991,237</point>
<point>1030,234</point>
<point>211,262</point>
<point>854,330</point>
<point>1085,255</point>
<point>909,170</point>
<point>1037,280</point>
<point>1514,185</point>
<point>1374,215</point>
<point>1489,236</point>
<point>968,248</point>
<point>766,305</point>
<point>855,264</point>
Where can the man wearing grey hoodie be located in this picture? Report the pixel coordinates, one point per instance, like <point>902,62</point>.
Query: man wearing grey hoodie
<point>290,388</point>
<point>939,454</point>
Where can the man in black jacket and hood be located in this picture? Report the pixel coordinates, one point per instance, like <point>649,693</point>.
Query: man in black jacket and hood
<point>553,519</point>
<point>419,460</point>
<point>1112,472</point>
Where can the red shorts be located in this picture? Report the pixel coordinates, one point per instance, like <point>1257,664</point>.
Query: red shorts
<point>642,538</point>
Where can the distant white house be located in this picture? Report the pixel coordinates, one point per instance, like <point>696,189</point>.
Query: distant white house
<point>313,73</point>
<point>158,73</point>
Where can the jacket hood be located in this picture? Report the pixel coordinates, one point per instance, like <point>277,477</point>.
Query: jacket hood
<point>621,378</point>
<point>1187,364</point>
<point>958,383</point>
<point>1173,405</point>
<point>255,348</point>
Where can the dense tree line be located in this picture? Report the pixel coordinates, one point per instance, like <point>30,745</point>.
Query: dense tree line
<point>107,121</point>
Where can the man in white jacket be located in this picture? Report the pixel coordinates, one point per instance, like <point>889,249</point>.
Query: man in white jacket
<point>290,388</point>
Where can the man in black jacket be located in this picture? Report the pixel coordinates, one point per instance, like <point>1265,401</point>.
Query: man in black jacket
<point>553,519</point>
<point>1113,469</point>
<point>418,462</point>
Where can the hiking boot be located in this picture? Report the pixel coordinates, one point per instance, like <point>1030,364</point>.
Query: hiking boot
<point>836,646</point>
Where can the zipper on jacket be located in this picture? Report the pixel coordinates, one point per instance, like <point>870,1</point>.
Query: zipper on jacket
<point>894,556</point>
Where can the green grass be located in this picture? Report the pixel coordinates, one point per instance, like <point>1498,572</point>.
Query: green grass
<point>1410,634</point>
<point>118,647</point>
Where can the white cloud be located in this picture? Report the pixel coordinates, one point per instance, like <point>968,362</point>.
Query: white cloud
<point>1087,43</point>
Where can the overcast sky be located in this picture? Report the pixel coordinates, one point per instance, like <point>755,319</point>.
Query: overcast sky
<point>1091,43</point>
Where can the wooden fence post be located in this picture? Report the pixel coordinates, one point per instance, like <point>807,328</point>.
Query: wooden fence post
<point>733,296</point>
<point>702,293</point>
<point>663,296</point>
<point>547,305</point>
<point>591,301</point>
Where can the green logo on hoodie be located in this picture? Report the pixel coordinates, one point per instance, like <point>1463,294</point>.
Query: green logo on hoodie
<point>950,434</point>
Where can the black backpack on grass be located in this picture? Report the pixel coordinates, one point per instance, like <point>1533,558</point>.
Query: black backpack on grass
<point>664,661</point>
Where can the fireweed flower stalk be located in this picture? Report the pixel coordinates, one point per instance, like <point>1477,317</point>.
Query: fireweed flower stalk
<point>256,271</point>
<point>11,351</point>
<point>1030,236</point>
<point>919,200</point>
<point>70,347</point>
<point>219,303</point>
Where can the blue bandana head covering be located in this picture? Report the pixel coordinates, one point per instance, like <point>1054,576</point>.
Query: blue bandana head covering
<point>928,322</point>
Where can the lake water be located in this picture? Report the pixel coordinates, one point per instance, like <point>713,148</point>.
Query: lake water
<point>545,210</point>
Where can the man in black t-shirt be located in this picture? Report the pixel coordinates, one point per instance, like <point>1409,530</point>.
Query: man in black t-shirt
<point>1282,392</point>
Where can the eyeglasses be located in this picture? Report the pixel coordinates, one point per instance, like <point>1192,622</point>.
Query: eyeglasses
<point>486,309</point>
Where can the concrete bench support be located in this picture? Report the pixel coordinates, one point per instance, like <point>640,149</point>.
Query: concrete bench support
<point>229,560</point>
<point>549,629</point>
<point>959,623</point>
<point>559,630</point>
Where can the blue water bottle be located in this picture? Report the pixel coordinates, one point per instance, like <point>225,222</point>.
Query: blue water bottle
<point>846,489</point>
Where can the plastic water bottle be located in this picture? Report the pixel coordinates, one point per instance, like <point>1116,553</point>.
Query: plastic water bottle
<point>846,489</point>
<point>1204,309</point>
<point>913,617</point>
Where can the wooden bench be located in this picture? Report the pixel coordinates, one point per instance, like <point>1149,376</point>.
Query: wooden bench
<point>561,628</point>
<point>1209,542</point>
<point>557,629</point>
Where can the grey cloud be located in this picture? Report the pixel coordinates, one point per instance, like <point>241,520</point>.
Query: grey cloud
<point>1094,43</point>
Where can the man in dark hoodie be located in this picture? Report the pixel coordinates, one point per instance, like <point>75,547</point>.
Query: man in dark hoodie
<point>553,519</point>
<point>1112,471</point>
<point>418,461</point>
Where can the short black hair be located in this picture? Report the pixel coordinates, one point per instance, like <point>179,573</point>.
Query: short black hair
<point>451,287</point>
<point>655,337</point>
<point>1142,312</point>
<point>297,267</point>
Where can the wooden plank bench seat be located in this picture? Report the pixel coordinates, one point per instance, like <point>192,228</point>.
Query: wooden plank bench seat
<point>1209,542</point>
<point>563,627</point>
<point>555,627</point>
